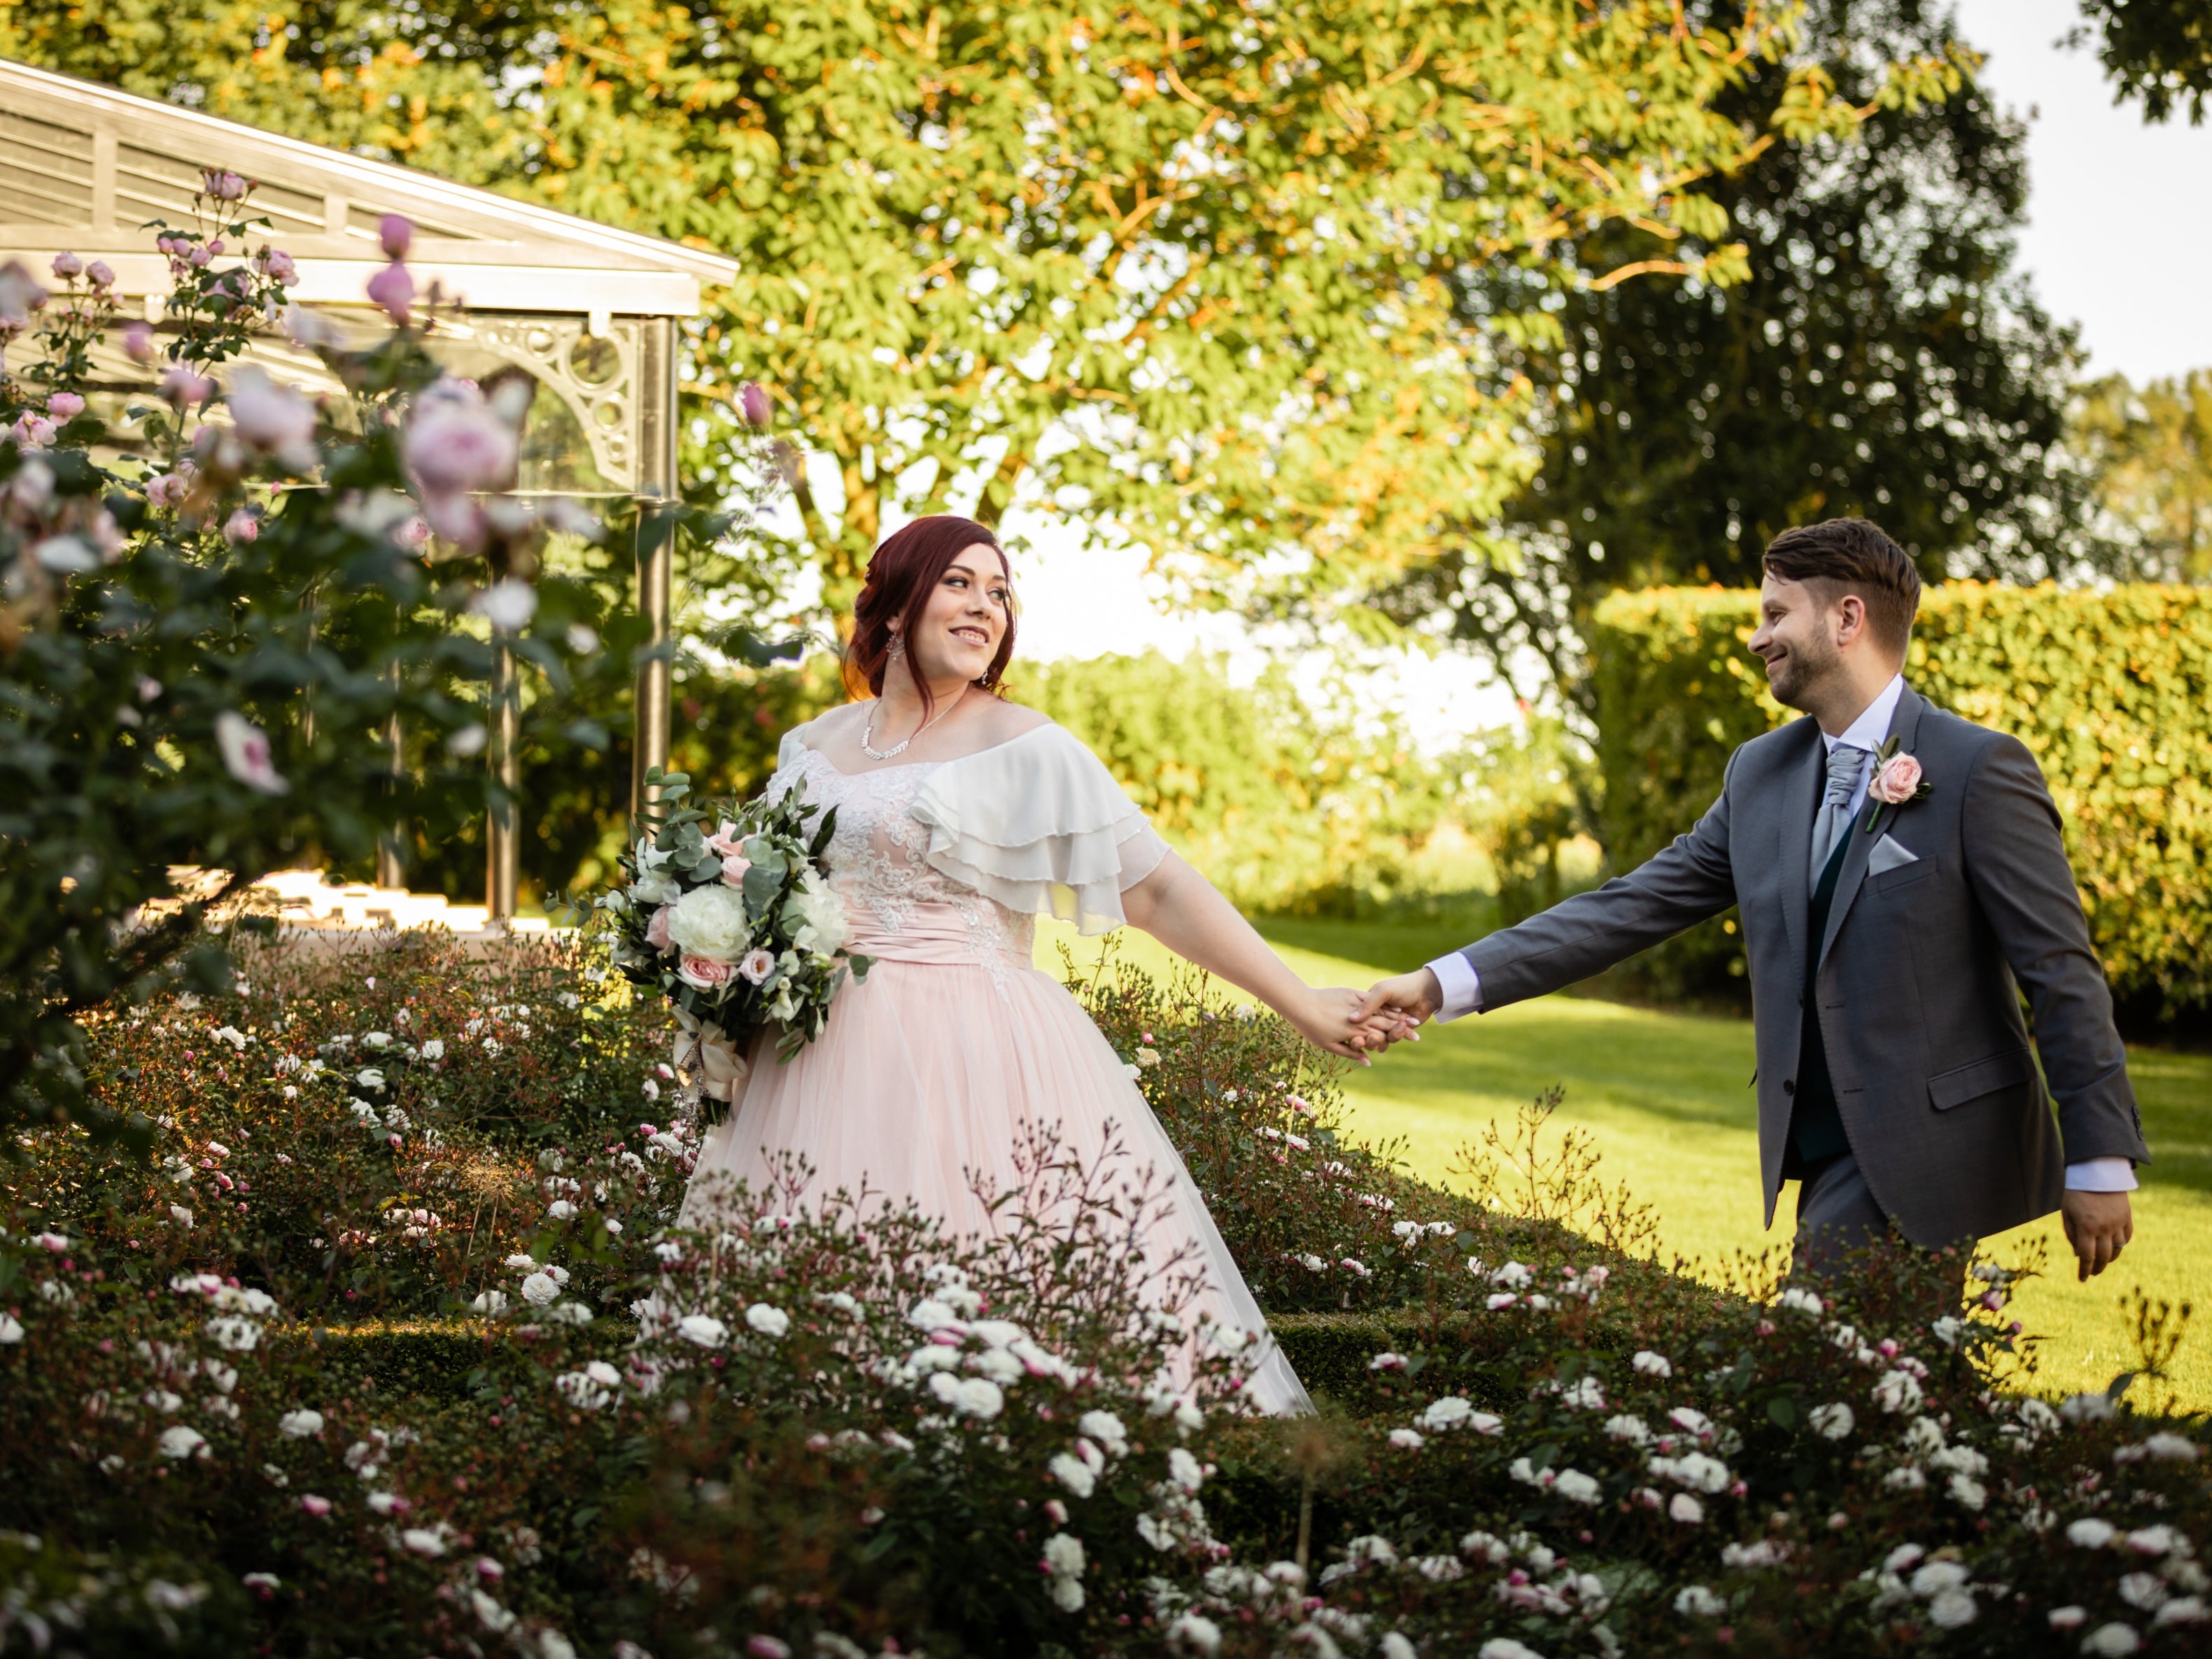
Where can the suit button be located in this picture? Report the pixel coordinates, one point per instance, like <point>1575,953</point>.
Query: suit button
<point>1789,1086</point>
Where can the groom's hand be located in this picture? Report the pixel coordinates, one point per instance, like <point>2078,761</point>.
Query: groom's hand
<point>2098,1225</point>
<point>1412,998</point>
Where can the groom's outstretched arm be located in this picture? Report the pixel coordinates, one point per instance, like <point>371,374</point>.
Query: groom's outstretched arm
<point>1686,883</point>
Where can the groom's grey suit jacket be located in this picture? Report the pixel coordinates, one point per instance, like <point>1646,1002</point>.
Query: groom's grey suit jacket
<point>1917,972</point>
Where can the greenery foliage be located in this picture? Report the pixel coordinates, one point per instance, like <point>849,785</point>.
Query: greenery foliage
<point>2158,50</point>
<point>1284,807</point>
<point>1238,279</point>
<point>556,1421</point>
<point>1881,355</point>
<point>2151,453</point>
<point>2108,690</point>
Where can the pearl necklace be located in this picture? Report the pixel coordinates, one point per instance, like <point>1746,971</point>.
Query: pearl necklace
<point>868,732</point>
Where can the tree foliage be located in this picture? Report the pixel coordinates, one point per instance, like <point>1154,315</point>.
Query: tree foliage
<point>2158,50</point>
<point>2151,453</point>
<point>1878,357</point>
<point>1202,273</point>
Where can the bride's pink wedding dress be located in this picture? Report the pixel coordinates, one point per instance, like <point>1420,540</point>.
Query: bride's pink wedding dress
<point>930,1068</point>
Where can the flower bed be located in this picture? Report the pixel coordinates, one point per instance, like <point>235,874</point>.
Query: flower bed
<point>395,1347</point>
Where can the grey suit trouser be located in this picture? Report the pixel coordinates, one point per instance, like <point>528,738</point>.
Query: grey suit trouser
<point>1837,1215</point>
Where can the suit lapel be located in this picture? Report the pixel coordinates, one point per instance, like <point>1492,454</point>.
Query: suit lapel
<point>1904,727</point>
<point>1801,799</point>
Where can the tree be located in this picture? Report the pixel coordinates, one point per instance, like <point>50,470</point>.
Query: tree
<point>1197,271</point>
<point>1878,357</point>
<point>204,651</point>
<point>2158,50</point>
<point>2151,452</point>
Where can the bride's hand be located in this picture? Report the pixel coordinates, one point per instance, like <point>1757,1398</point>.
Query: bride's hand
<point>1329,1018</point>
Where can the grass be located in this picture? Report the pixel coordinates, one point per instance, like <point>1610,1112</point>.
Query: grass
<point>1668,1097</point>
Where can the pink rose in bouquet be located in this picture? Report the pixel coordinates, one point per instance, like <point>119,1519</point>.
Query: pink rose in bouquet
<point>705,973</point>
<point>734,866</point>
<point>656,931</point>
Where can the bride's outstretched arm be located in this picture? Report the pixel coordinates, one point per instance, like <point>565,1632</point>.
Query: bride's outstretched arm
<point>1182,909</point>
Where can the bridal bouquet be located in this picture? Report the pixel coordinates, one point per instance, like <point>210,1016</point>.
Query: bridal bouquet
<point>737,927</point>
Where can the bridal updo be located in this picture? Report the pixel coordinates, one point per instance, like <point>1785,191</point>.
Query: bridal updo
<point>902,576</point>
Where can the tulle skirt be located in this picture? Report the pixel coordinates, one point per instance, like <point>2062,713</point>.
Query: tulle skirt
<point>921,1088</point>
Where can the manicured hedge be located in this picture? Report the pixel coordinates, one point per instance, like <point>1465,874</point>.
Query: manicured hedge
<point>2111,691</point>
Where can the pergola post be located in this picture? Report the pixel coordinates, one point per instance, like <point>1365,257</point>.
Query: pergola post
<point>502,851</point>
<point>656,566</point>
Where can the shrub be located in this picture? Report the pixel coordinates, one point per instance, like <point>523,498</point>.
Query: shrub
<point>810,1424</point>
<point>2108,690</point>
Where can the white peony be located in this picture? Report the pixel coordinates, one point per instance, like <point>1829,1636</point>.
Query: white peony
<point>302,1425</point>
<point>178,1441</point>
<point>816,917</point>
<point>767,1320</point>
<point>710,922</point>
<point>539,1289</point>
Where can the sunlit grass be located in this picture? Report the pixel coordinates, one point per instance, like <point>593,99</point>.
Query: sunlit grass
<point>1668,1097</point>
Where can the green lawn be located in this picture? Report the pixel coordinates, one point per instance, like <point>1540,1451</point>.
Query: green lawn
<point>1668,1097</point>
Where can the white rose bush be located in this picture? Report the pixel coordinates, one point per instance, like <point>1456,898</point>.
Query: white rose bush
<point>435,1370</point>
<point>728,913</point>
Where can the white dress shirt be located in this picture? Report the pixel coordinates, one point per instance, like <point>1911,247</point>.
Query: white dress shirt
<point>1463,987</point>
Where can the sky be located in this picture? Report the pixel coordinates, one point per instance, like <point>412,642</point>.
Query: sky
<point>2118,241</point>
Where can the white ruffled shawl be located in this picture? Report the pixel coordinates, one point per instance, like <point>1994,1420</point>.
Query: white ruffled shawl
<point>1039,825</point>
<point>1036,824</point>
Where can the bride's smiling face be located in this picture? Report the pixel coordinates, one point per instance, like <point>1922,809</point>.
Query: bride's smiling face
<point>966,618</point>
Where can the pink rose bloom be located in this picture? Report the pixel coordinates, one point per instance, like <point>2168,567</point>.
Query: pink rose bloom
<point>241,527</point>
<point>396,234</point>
<point>724,841</point>
<point>705,973</point>
<point>734,866</point>
<point>180,386</point>
<point>138,341</point>
<point>392,290</point>
<point>755,403</point>
<point>1896,782</point>
<point>656,931</point>
<point>64,406</point>
<point>99,274</point>
<point>757,965</point>
<point>67,265</point>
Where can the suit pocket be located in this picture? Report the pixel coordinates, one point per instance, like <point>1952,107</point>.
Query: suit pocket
<point>1985,1077</point>
<point>1902,875</point>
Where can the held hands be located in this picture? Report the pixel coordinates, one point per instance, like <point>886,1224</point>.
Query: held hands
<point>1397,1007</point>
<point>2098,1225</point>
<point>1332,1019</point>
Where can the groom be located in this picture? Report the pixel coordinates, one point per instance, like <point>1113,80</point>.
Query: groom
<point>1900,878</point>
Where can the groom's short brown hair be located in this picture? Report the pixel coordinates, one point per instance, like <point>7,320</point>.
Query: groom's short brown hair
<point>1850,555</point>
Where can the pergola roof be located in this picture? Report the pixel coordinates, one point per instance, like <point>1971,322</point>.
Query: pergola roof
<point>82,167</point>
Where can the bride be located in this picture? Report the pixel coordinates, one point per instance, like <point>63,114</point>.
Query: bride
<point>961,817</point>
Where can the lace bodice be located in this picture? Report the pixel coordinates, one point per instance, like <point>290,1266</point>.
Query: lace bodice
<point>953,860</point>
<point>877,863</point>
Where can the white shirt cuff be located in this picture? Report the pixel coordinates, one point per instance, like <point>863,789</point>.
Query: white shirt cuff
<point>1462,986</point>
<point>2102,1175</point>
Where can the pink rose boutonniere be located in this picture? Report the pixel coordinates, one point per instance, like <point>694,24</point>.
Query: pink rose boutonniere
<point>1897,782</point>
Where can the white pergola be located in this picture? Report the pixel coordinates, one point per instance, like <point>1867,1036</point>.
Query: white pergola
<point>588,310</point>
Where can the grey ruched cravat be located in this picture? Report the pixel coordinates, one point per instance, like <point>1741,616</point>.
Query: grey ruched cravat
<point>1845,762</point>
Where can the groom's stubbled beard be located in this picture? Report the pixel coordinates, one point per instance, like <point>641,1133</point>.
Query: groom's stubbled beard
<point>1805,663</point>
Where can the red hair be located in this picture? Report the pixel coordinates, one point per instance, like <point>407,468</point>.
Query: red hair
<point>902,576</point>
